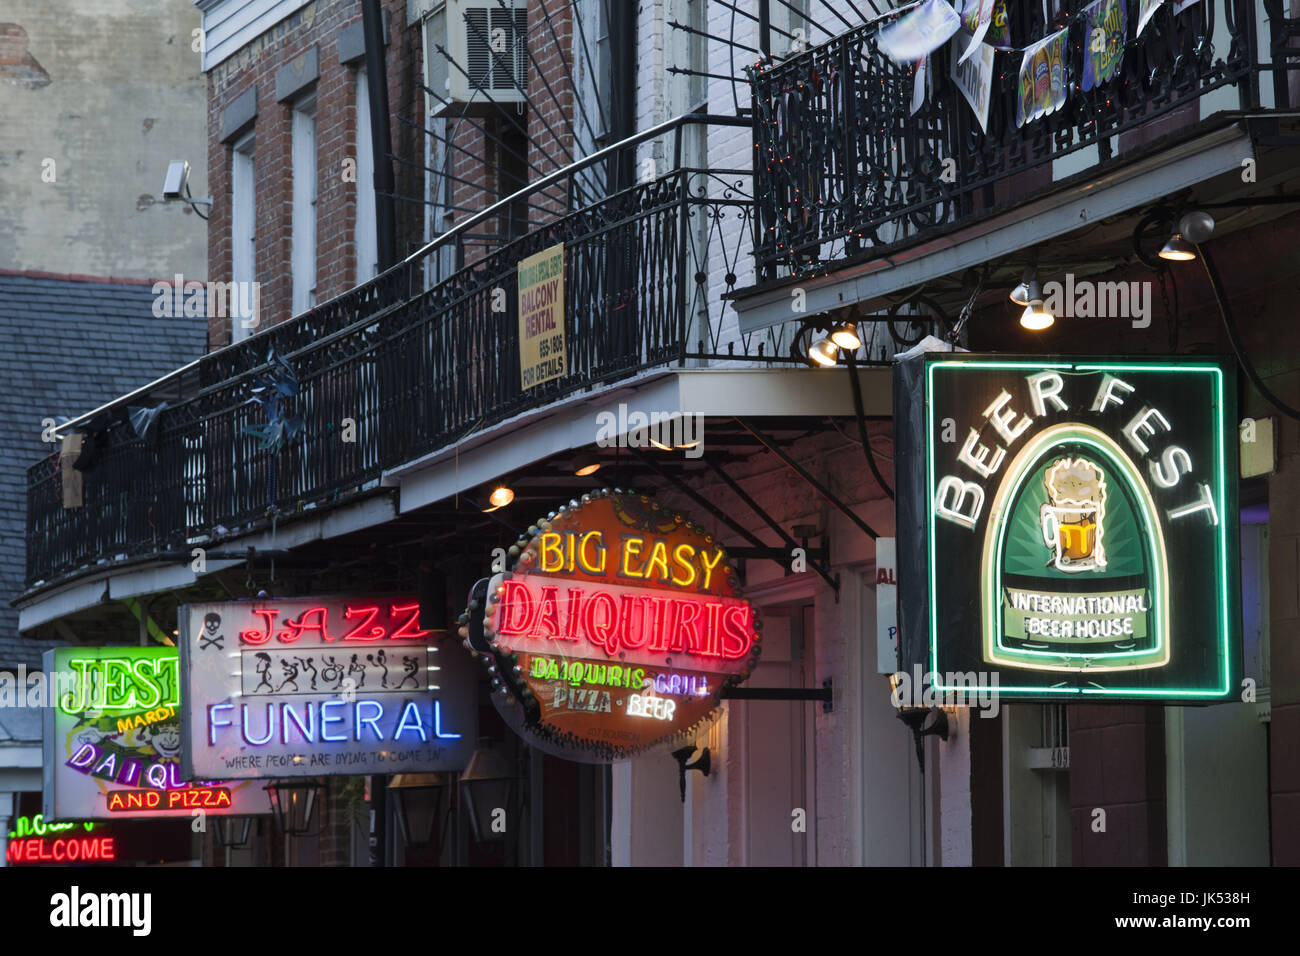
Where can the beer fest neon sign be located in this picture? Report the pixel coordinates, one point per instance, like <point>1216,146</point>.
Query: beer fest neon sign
<point>619,626</point>
<point>1092,499</point>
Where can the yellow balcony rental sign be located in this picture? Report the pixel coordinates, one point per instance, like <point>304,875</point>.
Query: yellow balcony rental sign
<point>541,317</point>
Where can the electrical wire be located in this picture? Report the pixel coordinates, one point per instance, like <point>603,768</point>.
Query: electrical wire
<point>1231,326</point>
<point>862,424</point>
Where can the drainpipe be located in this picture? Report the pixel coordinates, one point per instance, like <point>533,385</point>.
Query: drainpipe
<point>381,144</point>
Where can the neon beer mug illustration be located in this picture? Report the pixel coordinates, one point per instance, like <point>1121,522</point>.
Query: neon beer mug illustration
<point>1072,520</point>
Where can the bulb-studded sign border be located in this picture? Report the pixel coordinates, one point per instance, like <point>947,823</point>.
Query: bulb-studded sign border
<point>617,629</point>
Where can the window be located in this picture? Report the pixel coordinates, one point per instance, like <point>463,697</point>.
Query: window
<point>303,257</point>
<point>243,240</point>
<point>365,239</point>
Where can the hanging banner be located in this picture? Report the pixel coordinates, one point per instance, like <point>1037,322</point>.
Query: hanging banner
<point>999,35</point>
<point>1146,10</point>
<point>974,77</point>
<point>920,81</point>
<point>919,32</point>
<point>542,347</point>
<point>618,628</point>
<point>322,686</point>
<point>1041,87</point>
<point>1105,26</point>
<point>1078,539</point>
<point>112,740</point>
<point>975,22</point>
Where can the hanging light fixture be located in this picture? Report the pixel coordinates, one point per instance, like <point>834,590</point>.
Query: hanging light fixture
<point>1036,316</point>
<point>1192,228</point>
<point>500,495</point>
<point>1029,288</point>
<point>1177,249</point>
<point>488,785</point>
<point>292,802</point>
<point>824,352</point>
<point>586,464</point>
<point>418,806</point>
<point>232,831</point>
<point>845,335</point>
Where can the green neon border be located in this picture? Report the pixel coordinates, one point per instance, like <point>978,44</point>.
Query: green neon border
<point>1221,538</point>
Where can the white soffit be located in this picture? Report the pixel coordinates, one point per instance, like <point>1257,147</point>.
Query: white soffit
<point>1114,192</point>
<point>713,393</point>
<point>153,578</point>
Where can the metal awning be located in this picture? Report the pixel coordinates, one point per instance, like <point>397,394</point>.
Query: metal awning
<point>575,423</point>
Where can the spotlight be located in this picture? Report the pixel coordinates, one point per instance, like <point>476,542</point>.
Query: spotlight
<point>1196,226</point>
<point>824,352</point>
<point>1035,318</point>
<point>1177,249</point>
<point>1028,290</point>
<point>501,496</point>
<point>845,335</point>
<point>585,465</point>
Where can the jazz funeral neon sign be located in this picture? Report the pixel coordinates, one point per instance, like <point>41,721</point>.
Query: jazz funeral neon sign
<point>321,686</point>
<point>1080,522</point>
<point>115,740</point>
<point>624,621</point>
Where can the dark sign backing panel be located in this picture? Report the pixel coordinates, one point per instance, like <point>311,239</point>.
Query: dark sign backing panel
<point>1070,525</point>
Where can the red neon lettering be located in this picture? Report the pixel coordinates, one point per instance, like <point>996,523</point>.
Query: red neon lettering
<point>602,633</point>
<point>630,635</point>
<point>658,630</point>
<point>369,613</point>
<point>573,623</point>
<point>516,609</point>
<point>548,611</point>
<point>686,628</point>
<point>712,633</point>
<point>258,637</point>
<point>736,624</point>
<point>295,629</point>
<point>410,628</point>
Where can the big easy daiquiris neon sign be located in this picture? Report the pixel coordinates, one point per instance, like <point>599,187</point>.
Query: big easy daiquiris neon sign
<point>619,626</point>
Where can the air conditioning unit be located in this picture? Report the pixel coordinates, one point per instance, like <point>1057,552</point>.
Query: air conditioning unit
<point>475,60</point>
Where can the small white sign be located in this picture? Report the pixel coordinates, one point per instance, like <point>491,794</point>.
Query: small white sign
<point>886,606</point>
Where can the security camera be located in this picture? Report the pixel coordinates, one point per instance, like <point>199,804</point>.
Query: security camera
<point>178,175</point>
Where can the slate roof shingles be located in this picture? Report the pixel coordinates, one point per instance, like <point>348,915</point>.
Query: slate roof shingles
<point>67,346</point>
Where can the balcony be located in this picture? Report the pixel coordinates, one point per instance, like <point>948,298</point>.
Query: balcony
<point>844,174</point>
<point>404,365</point>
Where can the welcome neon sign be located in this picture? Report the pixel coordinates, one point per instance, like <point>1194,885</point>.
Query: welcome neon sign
<point>322,686</point>
<point>618,627</point>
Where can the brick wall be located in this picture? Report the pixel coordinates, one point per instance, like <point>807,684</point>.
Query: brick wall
<point>315,25</point>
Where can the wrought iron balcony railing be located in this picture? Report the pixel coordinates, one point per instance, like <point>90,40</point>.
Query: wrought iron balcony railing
<point>414,370</point>
<point>842,170</point>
